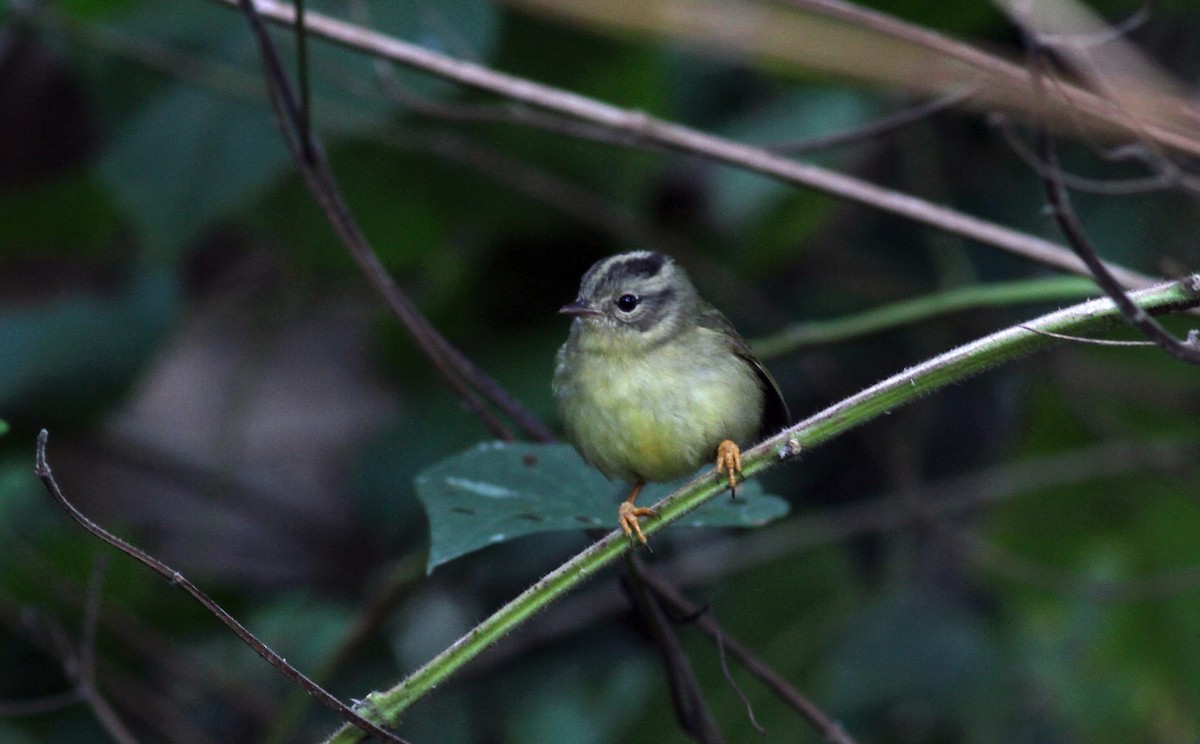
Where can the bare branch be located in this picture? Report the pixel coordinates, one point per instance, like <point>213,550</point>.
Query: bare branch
<point>642,128</point>
<point>831,730</point>
<point>1060,208</point>
<point>878,128</point>
<point>686,696</point>
<point>310,159</point>
<point>43,472</point>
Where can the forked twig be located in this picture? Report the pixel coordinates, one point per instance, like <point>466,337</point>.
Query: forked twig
<point>1064,215</point>
<point>691,709</point>
<point>830,729</point>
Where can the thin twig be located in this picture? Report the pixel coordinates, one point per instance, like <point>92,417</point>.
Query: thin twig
<point>917,309</point>
<point>643,128</point>
<point>78,665</point>
<point>305,123</point>
<point>43,472</point>
<point>1060,207</point>
<point>686,696</point>
<point>878,128</point>
<point>1163,179</point>
<point>830,729</point>
<point>313,167</point>
<point>638,569</point>
<point>1088,341</point>
<point>719,642</point>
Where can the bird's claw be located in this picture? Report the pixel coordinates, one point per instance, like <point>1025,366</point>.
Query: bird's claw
<point>627,515</point>
<point>729,461</point>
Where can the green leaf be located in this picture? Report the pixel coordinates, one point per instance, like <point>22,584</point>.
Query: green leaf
<point>67,213</point>
<point>76,351</point>
<point>188,159</point>
<point>466,29</point>
<point>3,427</point>
<point>499,491</point>
<point>739,195</point>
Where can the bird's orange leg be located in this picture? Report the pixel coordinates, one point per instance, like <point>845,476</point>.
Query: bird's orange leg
<point>729,460</point>
<point>627,514</point>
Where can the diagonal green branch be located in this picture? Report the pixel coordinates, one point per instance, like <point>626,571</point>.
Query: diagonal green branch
<point>386,707</point>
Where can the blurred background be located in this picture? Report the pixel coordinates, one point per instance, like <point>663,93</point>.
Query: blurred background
<point>1013,559</point>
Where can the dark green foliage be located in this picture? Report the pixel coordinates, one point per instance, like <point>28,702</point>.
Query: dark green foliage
<point>224,389</point>
<point>500,491</point>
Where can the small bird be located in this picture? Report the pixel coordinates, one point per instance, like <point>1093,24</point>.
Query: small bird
<point>653,381</point>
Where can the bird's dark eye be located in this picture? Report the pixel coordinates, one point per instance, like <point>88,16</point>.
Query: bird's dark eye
<point>627,302</point>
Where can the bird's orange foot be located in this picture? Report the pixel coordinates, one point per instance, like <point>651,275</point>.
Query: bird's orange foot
<point>729,461</point>
<point>627,515</point>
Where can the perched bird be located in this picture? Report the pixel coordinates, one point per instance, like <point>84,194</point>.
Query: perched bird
<point>653,381</point>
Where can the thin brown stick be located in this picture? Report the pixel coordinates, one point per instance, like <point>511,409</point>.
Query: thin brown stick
<point>1064,214</point>
<point>1161,180</point>
<point>875,129</point>
<point>455,368</point>
<point>78,665</point>
<point>831,730</point>
<point>642,128</point>
<point>310,159</point>
<point>43,472</point>
<point>687,698</point>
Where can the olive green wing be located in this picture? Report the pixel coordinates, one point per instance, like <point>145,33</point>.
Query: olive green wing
<point>775,411</point>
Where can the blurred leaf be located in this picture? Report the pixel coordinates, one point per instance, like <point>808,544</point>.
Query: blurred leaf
<point>303,628</point>
<point>921,656</point>
<point>78,348</point>
<point>188,159</point>
<point>69,212</point>
<point>499,491</point>
<point>467,29</point>
<point>568,694</point>
<point>3,427</point>
<point>740,195</point>
<point>88,10</point>
<point>10,735</point>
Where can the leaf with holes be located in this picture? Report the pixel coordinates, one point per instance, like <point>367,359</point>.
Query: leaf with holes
<point>498,491</point>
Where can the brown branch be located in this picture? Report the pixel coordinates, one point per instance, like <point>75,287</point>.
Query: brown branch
<point>686,696</point>
<point>880,127</point>
<point>831,730</point>
<point>642,128</point>
<point>1060,208</point>
<point>43,472</point>
<point>142,638</point>
<point>78,665</point>
<point>314,168</point>
<point>1161,180</point>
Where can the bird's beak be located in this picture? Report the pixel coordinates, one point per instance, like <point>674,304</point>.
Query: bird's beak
<point>578,309</point>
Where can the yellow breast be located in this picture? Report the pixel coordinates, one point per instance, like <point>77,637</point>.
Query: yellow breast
<point>656,415</point>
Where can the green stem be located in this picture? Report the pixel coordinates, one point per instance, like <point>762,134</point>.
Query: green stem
<point>385,708</point>
<point>921,308</point>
